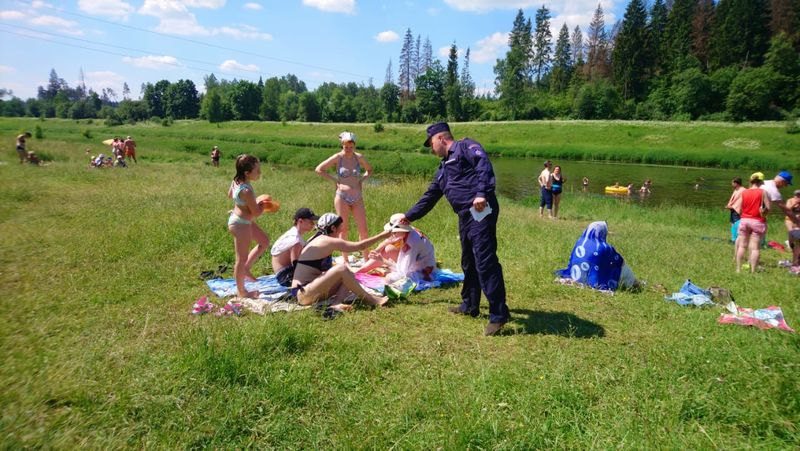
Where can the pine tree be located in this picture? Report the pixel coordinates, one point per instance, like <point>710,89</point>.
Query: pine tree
<point>562,62</point>
<point>701,30</point>
<point>577,46</point>
<point>126,91</point>
<point>597,47</point>
<point>389,79</point>
<point>427,55</point>
<point>677,42</point>
<point>81,84</point>
<point>452,89</point>
<point>655,30</point>
<point>406,66</point>
<point>542,42</point>
<point>416,62</point>
<point>468,105</point>
<point>740,33</point>
<point>785,18</point>
<point>630,57</point>
<point>513,72</point>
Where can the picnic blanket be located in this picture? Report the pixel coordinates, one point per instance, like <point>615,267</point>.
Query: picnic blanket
<point>440,277</point>
<point>691,294</point>
<point>265,285</point>
<point>765,318</point>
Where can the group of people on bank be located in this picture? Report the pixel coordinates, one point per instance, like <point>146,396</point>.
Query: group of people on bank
<point>748,216</point>
<point>465,178</point>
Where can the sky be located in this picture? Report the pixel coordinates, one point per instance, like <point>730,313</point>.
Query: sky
<point>126,41</point>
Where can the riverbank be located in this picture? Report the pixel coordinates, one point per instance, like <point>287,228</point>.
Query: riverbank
<point>398,148</point>
<point>100,269</point>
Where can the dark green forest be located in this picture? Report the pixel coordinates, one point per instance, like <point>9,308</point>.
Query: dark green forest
<point>731,60</point>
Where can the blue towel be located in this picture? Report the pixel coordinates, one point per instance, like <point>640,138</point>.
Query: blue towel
<point>264,285</point>
<point>440,277</point>
<point>593,261</point>
<point>691,294</point>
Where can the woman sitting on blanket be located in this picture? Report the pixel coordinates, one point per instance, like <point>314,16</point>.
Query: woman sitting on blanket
<point>596,263</point>
<point>406,254</point>
<point>315,279</point>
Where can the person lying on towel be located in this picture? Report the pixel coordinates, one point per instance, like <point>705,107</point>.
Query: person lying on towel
<point>407,253</point>
<point>596,263</point>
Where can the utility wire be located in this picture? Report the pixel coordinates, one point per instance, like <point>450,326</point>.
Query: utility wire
<point>245,52</point>
<point>145,52</point>
<point>108,52</point>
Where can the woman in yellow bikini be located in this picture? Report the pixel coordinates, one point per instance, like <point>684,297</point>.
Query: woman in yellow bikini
<point>352,169</point>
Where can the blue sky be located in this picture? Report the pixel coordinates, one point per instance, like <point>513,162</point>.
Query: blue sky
<point>117,41</point>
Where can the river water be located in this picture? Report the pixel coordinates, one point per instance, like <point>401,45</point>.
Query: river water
<point>703,187</point>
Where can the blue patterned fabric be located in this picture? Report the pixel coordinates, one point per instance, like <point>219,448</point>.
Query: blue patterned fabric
<point>593,261</point>
<point>265,285</point>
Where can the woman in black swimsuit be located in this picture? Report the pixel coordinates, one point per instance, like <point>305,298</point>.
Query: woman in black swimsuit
<point>315,279</point>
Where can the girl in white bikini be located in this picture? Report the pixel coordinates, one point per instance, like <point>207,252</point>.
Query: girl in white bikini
<point>352,169</point>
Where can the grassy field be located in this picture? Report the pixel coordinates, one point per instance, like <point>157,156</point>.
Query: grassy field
<point>399,147</point>
<point>99,350</point>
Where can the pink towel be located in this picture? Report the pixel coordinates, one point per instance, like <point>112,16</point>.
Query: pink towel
<point>765,318</point>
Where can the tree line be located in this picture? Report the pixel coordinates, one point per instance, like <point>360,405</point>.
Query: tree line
<point>681,60</point>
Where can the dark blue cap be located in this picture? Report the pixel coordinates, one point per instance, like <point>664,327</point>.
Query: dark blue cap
<point>434,129</point>
<point>786,175</point>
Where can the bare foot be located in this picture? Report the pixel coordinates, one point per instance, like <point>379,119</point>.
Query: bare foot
<point>249,294</point>
<point>341,307</point>
<point>249,277</point>
<point>381,301</point>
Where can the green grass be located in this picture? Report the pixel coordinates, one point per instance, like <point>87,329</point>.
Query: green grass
<point>399,147</point>
<point>98,349</point>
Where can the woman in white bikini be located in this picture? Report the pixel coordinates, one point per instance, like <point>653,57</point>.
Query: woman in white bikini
<point>352,169</point>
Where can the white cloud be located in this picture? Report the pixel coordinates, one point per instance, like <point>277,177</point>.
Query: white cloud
<point>115,9</point>
<point>103,80</point>
<point>488,49</point>
<point>248,33</point>
<point>153,62</point>
<point>174,17</point>
<point>210,4</point>
<point>580,12</point>
<point>444,52</point>
<point>253,6</point>
<point>52,21</point>
<point>482,6</point>
<point>38,4</point>
<point>333,6</point>
<point>387,36</point>
<point>71,31</point>
<point>233,65</point>
<point>7,70</point>
<point>11,15</point>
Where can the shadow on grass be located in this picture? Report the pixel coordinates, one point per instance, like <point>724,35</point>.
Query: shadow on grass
<point>556,323</point>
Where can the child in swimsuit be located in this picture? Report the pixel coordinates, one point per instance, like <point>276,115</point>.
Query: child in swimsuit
<point>241,222</point>
<point>351,171</point>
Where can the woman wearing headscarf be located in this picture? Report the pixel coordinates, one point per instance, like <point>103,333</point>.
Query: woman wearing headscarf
<point>315,277</point>
<point>352,169</point>
<point>596,263</point>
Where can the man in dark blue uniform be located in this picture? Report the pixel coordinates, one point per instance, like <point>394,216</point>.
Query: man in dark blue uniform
<point>466,178</point>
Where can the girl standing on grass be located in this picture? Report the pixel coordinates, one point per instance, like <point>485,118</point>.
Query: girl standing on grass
<point>242,224</point>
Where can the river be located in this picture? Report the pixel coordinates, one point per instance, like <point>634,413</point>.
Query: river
<point>703,187</point>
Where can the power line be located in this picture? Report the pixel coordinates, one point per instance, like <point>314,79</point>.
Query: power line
<point>145,52</point>
<point>205,71</point>
<point>245,52</point>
